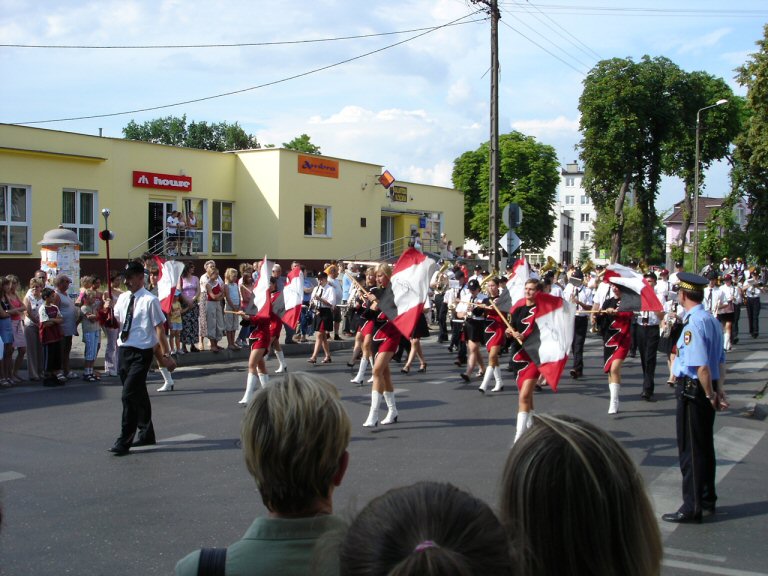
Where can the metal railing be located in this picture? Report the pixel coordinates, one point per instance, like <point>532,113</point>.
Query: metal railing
<point>391,251</point>
<point>158,245</point>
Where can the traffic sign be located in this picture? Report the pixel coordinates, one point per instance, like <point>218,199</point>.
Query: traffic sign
<point>512,215</point>
<point>510,242</point>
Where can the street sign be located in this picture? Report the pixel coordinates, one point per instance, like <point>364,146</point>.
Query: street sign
<point>512,215</point>
<point>510,242</point>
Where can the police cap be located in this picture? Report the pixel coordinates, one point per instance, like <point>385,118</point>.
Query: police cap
<point>691,281</point>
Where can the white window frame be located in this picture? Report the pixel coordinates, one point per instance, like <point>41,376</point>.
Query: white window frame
<point>217,228</point>
<point>328,221</point>
<point>7,191</point>
<point>570,181</point>
<point>570,200</point>
<point>584,199</point>
<point>584,236</point>
<point>77,226</point>
<point>585,217</point>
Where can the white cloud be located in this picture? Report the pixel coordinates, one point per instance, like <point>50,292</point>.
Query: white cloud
<point>459,92</point>
<point>548,128</point>
<point>707,40</point>
<point>437,175</point>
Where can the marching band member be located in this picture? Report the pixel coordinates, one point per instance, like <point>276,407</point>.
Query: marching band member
<point>421,330</point>
<point>581,297</point>
<point>473,330</point>
<point>324,300</point>
<point>712,294</point>
<point>494,340</point>
<point>648,343</point>
<point>458,297</point>
<point>365,327</point>
<point>730,297</point>
<point>275,327</point>
<point>616,339</point>
<point>672,327</point>
<point>752,292</point>
<point>439,283</point>
<point>259,340</point>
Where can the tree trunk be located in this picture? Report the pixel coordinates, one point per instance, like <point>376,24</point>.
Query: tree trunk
<point>618,232</point>
<point>687,212</point>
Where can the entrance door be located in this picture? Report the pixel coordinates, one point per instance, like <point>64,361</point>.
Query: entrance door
<point>158,212</point>
<point>387,237</point>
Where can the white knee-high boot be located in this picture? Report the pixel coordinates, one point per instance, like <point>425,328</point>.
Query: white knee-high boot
<point>281,359</point>
<point>360,378</point>
<point>263,379</point>
<point>391,417</point>
<point>250,387</point>
<point>499,382</point>
<point>167,381</point>
<point>522,424</point>
<point>373,415</point>
<point>370,360</point>
<point>613,407</point>
<point>486,379</point>
<point>531,414</point>
<point>726,341</point>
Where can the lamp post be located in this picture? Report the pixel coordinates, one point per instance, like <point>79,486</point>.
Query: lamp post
<point>696,186</point>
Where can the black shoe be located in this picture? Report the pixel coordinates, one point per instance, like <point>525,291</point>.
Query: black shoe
<point>464,377</point>
<point>397,358</point>
<point>735,341</point>
<point>707,511</point>
<point>194,348</point>
<point>682,518</point>
<point>120,449</point>
<point>289,341</point>
<point>450,350</point>
<point>633,354</point>
<point>537,387</point>
<point>336,337</point>
<point>143,442</point>
<point>575,374</point>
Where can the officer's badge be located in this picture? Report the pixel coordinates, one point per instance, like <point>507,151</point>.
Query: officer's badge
<point>687,337</point>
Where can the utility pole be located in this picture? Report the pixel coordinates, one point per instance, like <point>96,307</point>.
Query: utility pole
<point>493,189</point>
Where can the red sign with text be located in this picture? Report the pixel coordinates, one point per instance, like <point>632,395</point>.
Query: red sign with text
<point>162,181</point>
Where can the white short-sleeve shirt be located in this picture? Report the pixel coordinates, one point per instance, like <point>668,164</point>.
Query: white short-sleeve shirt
<point>147,314</point>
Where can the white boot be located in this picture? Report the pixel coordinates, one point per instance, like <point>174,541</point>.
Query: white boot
<point>371,362</point>
<point>360,378</point>
<point>281,359</point>
<point>263,380</point>
<point>250,387</point>
<point>391,417</point>
<point>522,425</point>
<point>613,407</point>
<point>167,381</point>
<point>499,382</point>
<point>373,415</point>
<point>726,341</point>
<point>486,379</point>
<point>531,414</point>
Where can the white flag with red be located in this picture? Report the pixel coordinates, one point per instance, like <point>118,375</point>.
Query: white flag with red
<point>169,272</point>
<point>288,304</point>
<point>636,294</point>
<point>521,272</point>
<point>402,301</point>
<point>261,299</point>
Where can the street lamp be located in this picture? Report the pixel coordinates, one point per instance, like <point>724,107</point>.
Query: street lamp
<point>696,187</point>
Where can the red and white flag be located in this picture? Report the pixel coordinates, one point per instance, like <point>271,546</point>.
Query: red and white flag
<point>549,335</point>
<point>169,272</point>
<point>261,299</point>
<point>402,301</point>
<point>288,304</point>
<point>521,272</point>
<point>636,294</point>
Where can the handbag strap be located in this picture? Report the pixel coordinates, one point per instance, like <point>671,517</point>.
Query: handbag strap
<point>212,562</point>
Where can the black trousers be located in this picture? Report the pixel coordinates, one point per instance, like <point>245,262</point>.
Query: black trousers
<point>442,317</point>
<point>753,314</point>
<point>580,328</point>
<point>648,345</point>
<point>696,448</point>
<point>735,329</point>
<point>633,338</point>
<point>458,343</point>
<point>137,410</point>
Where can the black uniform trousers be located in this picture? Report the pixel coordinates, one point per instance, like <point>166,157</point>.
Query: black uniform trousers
<point>633,337</point>
<point>580,328</point>
<point>442,317</point>
<point>696,446</point>
<point>134,366</point>
<point>648,345</point>
<point>753,314</point>
<point>457,342</point>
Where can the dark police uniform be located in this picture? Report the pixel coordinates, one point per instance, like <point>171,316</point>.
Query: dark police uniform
<point>700,344</point>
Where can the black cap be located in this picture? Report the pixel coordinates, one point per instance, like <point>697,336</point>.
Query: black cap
<point>478,267</point>
<point>134,268</point>
<point>649,275</point>
<point>692,282</point>
<point>473,285</point>
<point>711,276</point>
<point>577,274</point>
<point>679,263</point>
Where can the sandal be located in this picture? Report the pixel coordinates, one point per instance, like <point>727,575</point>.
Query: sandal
<point>312,360</point>
<point>6,383</point>
<point>326,360</point>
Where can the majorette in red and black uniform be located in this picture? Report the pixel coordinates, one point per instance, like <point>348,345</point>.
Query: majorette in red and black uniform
<point>386,338</point>
<point>523,367</point>
<point>616,337</point>
<point>264,329</point>
<point>275,322</point>
<point>367,317</point>
<point>494,329</point>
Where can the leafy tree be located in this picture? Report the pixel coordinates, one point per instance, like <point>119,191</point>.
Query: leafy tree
<point>174,131</point>
<point>528,176</point>
<point>302,144</point>
<point>750,172</point>
<point>722,236</point>
<point>635,226</point>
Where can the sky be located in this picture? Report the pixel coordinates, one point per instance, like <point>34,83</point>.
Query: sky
<point>412,108</point>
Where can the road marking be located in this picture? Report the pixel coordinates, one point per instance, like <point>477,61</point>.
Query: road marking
<point>696,555</point>
<point>731,446</point>
<point>709,569</point>
<point>7,476</point>
<point>752,363</point>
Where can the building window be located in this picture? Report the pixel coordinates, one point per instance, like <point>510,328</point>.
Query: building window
<point>584,199</point>
<point>14,218</point>
<point>78,213</point>
<point>584,236</point>
<point>198,207</point>
<point>570,181</point>
<point>585,217</point>
<point>569,199</point>
<point>317,220</point>
<point>221,228</point>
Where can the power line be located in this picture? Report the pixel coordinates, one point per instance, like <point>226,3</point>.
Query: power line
<point>589,52</point>
<point>687,12</point>
<point>266,84</point>
<point>232,45</point>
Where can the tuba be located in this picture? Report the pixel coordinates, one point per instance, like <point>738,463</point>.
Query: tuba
<point>587,268</point>
<point>551,264</point>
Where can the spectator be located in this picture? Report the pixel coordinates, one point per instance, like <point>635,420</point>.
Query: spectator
<point>214,315</point>
<point>19,342</point>
<point>51,336</point>
<point>69,314</point>
<point>91,334</point>
<point>203,302</point>
<point>427,528</point>
<point>112,333</point>
<point>189,284</point>
<point>295,435</point>
<point>32,302</point>
<point>231,305</point>
<point>566,481</point>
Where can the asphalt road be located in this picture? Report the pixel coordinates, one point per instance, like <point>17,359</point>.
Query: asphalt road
<point>70,507</point>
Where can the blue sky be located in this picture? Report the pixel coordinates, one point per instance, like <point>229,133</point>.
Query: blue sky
<point>413,108</point>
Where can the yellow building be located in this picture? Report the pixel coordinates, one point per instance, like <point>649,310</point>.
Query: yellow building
<point>288,205</point>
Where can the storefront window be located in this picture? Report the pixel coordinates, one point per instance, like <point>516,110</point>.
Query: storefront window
<point>221,238</point>
<point>317,221</point>
<point>14,222</point>
<point>79,215</point>
<point>197,233</point>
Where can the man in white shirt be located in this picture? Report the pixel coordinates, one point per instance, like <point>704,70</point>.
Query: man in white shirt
<point>142,326</point>
<point>648,343</point>
<point>662,286</point>
<point>172,233</point>
<point>324,301</point>
<point>338,291</point>
<point>580,295</point>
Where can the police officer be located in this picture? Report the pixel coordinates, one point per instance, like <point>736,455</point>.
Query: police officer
<point>700,371</point>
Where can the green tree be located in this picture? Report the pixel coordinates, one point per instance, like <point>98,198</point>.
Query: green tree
<point>722,235</point>
<point>302,144</point>
<point>635,236</point>
<point>750,171</point>
<point>174,131</point>
<point>528,176</point>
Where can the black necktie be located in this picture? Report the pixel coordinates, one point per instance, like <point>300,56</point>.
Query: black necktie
<point>128,320</point>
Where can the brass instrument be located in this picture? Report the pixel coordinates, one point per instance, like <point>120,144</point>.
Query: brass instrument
<point>493,274</point>
<point>551,263</point>
<point>643,266</point>
<point>587,268</point>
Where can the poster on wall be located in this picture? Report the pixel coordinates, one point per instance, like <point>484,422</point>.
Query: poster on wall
<point>58,259</point>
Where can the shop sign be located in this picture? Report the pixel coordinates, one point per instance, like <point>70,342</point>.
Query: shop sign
<point>317,166</point>
<point>399,193</point>
<point>162,181</point>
